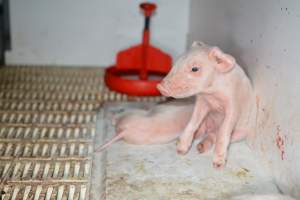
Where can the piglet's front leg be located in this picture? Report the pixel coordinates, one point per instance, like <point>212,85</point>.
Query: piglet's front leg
<point>200,111</point>
<point>223,139</point>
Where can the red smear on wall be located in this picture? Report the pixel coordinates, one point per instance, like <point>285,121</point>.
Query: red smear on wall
<point>280,142</point>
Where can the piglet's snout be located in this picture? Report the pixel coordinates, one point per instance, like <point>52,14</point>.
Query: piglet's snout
<point>163,88</point>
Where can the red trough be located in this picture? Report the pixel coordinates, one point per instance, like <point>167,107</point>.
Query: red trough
<point>135,68</point>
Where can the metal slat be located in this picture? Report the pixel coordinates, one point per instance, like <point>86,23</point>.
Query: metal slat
<point>47,126</point>
<point>47,130</point>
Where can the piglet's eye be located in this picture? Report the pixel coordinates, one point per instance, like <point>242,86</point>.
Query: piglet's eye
<point>195,69</point>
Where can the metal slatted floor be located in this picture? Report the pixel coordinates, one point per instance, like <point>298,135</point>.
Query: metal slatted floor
<point>48,121</point>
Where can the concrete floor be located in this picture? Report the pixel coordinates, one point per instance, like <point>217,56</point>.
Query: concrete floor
<point>157,172</point>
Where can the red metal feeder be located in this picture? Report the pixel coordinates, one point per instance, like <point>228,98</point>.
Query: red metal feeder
<point>137,66</point>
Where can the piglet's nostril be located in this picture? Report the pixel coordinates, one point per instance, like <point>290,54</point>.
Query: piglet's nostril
<point>163,82</point>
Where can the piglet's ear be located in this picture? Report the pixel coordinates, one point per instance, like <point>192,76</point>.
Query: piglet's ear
<point>225,62</point>
<point>197,44</point>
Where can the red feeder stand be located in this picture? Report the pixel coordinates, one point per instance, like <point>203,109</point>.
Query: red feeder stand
<point>135,66</point>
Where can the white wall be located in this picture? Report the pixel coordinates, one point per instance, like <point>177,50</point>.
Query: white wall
<point>264,36</point>
<point>77,32</point>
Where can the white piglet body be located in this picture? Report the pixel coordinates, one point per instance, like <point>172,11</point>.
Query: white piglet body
<point>162,123</point>
<point>224,107</point>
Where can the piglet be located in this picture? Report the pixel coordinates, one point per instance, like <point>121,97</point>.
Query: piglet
<point>162,123</point>
<point>224,104</point>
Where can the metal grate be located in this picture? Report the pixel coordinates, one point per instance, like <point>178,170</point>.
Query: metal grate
<point>47,127</point>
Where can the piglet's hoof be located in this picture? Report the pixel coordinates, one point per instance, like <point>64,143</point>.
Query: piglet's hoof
<point>181,149</point>
<point>219,163</point>
<point>201,148</point>
<point>181,152</point>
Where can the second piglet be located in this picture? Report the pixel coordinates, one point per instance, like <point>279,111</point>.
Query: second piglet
<point>223,111</point>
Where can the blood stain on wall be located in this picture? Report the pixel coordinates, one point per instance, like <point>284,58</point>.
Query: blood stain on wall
<point>280,142</point>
